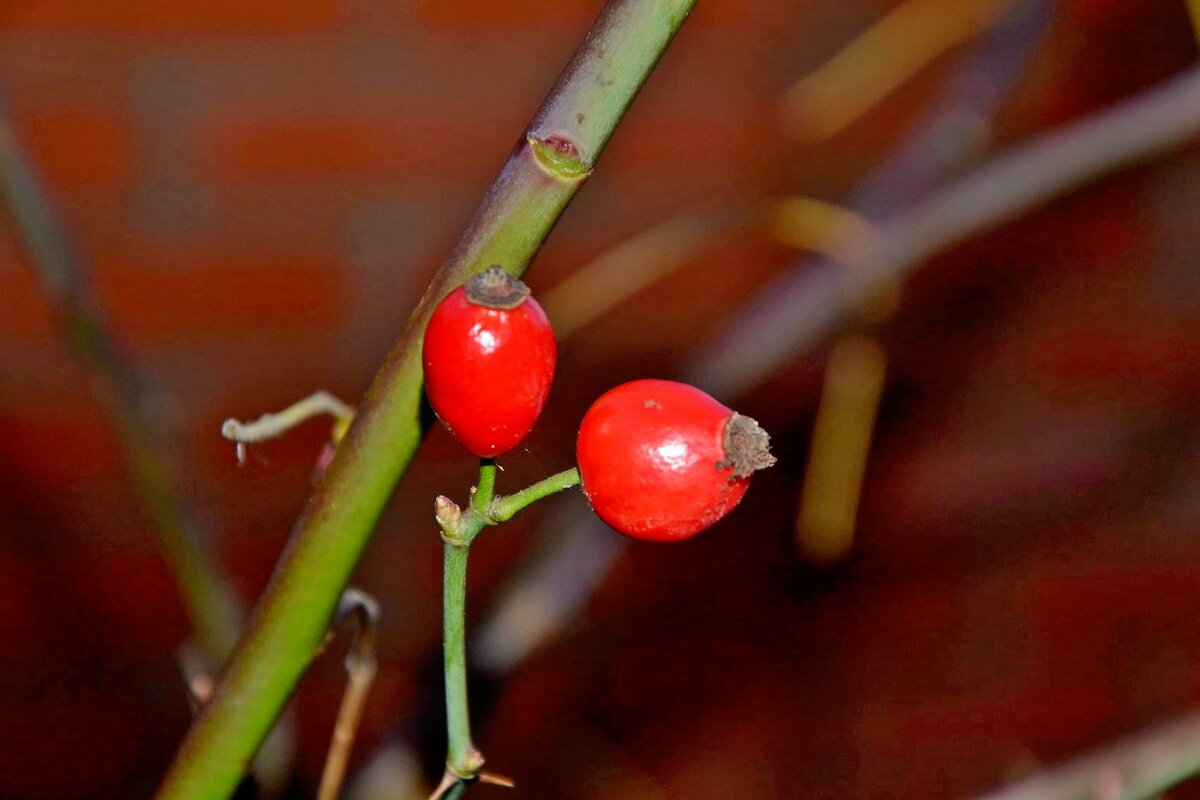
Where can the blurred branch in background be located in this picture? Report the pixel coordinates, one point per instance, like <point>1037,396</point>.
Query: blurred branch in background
<point>797,310</point>
<point>815,226</point>
<point>1135,768</point>
<point>841,444</point>
<point>212,605</point>
<point>622,271</point>
<point>361,667</point>
<point>952,134</point>
<point>549,591</point>
<point>957,129</point>
<point>1194,10</point>
<point>878,61</point>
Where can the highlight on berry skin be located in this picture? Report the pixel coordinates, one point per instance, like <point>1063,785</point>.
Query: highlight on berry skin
<point>489,357</point>
<point>661,460</point>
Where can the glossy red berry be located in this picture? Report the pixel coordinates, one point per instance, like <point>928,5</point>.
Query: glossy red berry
<point>661,460</point>
<point>489,360</point>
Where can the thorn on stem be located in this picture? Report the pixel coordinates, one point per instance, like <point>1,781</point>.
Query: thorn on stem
<point>493,779</point>
<point>450,780</point>
<point>197,676</point>
<point>201,687</point>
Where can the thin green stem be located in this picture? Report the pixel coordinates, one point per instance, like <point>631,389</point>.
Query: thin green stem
<point>481,498</point>
<point>514,219</point>
<point>462,758</point>
<point>505,507</point>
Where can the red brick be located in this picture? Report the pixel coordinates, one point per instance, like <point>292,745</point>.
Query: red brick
<point>133,591</point>
<point>64,444</point>
<point>164,296</point>
<point>18,600</point>
<point>1110,638</point>
<point>172,16</point>
<point>336,145</point>
<point>1121,361</point>
<point>49,723</point>
<point>80,148</point>
<point>1084,608</point>
<point>683,148</point>
<point>771,14</point>
<point>477,15</point>
<point>474,15</point>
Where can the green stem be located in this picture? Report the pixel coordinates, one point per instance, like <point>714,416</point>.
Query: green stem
<point>1194,10</point>
<point>505,507</point>
<point>462,758</point>
<point>514,219</point>
<point>481,498</point>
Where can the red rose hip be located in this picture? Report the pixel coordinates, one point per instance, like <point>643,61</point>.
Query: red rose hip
<point>662,461</point>
<point>489,358</point>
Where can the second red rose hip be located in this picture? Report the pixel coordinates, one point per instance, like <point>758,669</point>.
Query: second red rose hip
<point>662,461</point>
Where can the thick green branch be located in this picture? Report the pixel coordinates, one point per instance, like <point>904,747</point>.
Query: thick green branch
<point>508,229</point>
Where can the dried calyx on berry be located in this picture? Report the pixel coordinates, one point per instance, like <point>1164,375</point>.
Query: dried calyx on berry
<point>495,288</point>
<point>747,447</point>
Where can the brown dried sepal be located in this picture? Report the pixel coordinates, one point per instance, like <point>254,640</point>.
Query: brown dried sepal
<point>495,288</point>
<point>747,447</point>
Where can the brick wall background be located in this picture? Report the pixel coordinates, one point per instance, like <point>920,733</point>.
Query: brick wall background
<point>259,192</point>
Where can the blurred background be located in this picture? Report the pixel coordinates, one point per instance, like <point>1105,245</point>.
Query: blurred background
<point>991,565</point>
